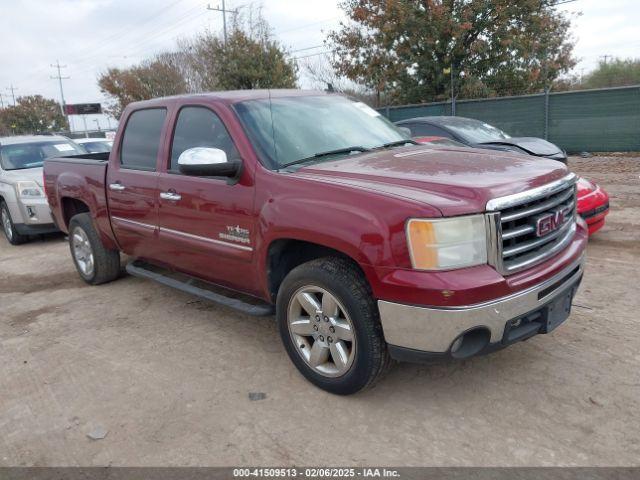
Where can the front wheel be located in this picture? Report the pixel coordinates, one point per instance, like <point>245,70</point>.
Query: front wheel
<point>94,263</point>
<point>9,228</point>
<point>330,326</point>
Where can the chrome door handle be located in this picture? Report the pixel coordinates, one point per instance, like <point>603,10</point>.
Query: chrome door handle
<point>170,196</point>
<point>117,187</point>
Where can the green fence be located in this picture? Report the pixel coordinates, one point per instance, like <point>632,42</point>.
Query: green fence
<point>603,120</point>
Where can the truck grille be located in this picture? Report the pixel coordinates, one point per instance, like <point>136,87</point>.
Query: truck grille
<point>532,226</point>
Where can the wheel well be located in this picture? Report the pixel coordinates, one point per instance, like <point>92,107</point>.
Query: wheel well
<point>286,254</point>
<point>71,207</point>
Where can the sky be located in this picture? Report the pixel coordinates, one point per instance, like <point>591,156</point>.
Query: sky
<point>88,36</point>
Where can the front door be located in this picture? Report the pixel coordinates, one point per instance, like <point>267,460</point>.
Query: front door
<point>206,224</point>
<point>132,183</point>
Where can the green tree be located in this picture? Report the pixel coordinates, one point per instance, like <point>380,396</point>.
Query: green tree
<point>32,114</point>
<point>250,59</point>
<point>615,73</point>
<point>157,77</point>
<point>406,48</point>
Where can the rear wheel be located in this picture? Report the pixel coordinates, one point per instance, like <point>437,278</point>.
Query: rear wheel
<point>9,228</point>
<point>94,263</point>
<point>330,326</point>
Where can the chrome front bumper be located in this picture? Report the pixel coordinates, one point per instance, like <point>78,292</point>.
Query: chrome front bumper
<point>435,329</point>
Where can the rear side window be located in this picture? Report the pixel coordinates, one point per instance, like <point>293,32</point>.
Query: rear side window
<point>141,139</point>
<point>426,130</point>
<point>200,127</point>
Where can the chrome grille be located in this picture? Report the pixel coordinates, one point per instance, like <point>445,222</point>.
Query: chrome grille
<point>518,239</point>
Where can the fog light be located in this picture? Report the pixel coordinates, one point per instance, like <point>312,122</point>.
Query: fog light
<point>31,212</point>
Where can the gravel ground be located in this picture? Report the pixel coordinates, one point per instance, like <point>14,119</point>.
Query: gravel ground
<point>167,379</point>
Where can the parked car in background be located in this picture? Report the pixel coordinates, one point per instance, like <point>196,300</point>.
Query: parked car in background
<point>593,201</point>
<point>475,133</point>
<point>95,144</point>
<point>593,204</point>
<point>367,246</point>
<point>24,209</point>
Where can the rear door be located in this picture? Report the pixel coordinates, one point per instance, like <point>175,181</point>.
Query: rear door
<point>132,182</point>
<point>206,223</point>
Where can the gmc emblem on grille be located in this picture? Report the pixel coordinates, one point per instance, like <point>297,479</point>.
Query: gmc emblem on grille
<point>549,222</point>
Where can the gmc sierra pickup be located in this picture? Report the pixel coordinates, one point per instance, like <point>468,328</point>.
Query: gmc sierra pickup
<point>365,245</point>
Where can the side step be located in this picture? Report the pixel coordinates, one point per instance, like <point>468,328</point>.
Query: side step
<point>199,288</point>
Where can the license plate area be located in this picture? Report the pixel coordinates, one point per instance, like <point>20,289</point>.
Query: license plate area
<point>543,320</point>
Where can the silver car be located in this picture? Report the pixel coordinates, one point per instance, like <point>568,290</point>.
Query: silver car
<point>24,209</point>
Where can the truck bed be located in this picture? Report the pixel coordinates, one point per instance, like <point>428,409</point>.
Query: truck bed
<point>79,179</point>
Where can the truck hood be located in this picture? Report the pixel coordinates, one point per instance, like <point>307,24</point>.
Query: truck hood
<point>33,174</point>
<point>457,181</point>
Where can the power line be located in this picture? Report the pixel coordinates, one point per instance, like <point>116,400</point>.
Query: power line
<point>59,77</point>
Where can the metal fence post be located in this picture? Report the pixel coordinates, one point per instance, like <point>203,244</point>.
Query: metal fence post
<point>546,113</point>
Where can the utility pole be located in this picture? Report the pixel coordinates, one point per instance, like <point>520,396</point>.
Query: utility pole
<point>605,57</point>
<point>224,17</point>
<point>13,93</point>
<point>59,77</point>
<point>453,98</point>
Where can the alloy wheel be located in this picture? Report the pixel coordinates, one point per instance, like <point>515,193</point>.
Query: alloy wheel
<point>82,251</point>
<point>321,331</point>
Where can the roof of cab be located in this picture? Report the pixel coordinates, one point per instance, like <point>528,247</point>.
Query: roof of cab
<point>230,96</point>
<point>31,139</point>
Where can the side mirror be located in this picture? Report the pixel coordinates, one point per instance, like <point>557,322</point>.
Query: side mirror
<point>207,162</point>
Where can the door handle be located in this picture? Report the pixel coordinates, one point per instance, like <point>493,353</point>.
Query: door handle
<point>117,187</point>
<point>170,196</point>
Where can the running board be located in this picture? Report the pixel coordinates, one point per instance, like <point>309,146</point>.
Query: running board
<point>198,288</point>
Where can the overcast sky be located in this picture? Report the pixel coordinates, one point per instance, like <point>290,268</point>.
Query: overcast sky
<point>89,35</point>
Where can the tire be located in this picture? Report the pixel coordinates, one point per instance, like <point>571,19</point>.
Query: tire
<point>94,263</point>
<point>355,365</point>
<point>8,227</point>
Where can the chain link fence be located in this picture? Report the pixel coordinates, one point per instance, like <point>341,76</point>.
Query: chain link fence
<point>601,120</point>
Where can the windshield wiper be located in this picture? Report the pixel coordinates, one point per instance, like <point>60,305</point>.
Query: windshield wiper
<point>398,143</point>
<point>327,154</point>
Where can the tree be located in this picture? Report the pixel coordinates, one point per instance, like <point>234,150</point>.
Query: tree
<point>157,77</point>
<point>405,48</point>
<point>250,59</point>
<point>32,114</point>
<point>616,73</point>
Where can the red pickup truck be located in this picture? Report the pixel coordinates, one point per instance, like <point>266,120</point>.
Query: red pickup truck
<point>366,245</point>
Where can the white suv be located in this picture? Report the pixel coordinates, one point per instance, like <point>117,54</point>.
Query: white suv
<point>24,209</point>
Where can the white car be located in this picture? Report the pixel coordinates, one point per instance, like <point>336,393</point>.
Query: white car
<point>24,209</point>
<point>95,144</point>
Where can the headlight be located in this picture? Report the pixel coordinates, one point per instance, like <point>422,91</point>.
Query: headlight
<point>29,190</point>
<point>447,243</point>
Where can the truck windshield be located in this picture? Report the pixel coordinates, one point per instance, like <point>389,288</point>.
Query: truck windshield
<point>20,156</point>
<point>286,130</point>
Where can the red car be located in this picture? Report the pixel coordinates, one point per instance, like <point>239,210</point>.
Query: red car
<point>593,204</point>
<point>593,201</point>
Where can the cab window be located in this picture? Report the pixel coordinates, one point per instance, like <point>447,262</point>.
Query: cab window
<point>141,140</point>
<point>200,127</point>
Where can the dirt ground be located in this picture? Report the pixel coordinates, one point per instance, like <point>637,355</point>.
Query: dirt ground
<point>168,376</point>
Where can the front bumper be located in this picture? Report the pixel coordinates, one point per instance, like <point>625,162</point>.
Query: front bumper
<point>415,333</point>
<point>30,212</point>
